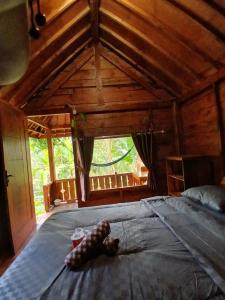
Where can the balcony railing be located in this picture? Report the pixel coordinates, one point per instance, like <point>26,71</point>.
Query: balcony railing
<point>65,189</point>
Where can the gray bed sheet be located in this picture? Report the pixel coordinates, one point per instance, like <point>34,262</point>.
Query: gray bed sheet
<point>170,248</point>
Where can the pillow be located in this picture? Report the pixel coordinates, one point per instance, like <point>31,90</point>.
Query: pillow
<point>210,195</point>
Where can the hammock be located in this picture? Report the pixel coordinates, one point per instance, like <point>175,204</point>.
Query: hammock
<point>113,162</point>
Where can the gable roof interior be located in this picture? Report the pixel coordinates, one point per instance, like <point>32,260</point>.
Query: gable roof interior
<point>118,56</point>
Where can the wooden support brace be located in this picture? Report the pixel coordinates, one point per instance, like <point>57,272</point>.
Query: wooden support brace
<point>51,158</point>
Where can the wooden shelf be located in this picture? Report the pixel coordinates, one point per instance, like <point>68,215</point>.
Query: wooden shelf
<point>187,171</point>
<point>176,176</point>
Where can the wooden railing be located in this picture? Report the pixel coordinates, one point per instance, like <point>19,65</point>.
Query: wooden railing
<point>65,189</point>
<point>113,181</point>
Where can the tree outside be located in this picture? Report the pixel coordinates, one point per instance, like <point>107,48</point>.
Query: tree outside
<point>105,151</point>
<point>40,171</point>
<point>63,157</point>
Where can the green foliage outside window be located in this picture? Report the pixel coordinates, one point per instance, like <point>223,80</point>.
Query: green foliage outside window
<point>63,156</point>
<point>105,150</point>
<point>40,171</point>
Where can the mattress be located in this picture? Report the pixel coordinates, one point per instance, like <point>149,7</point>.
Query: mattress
<point>170,248</point>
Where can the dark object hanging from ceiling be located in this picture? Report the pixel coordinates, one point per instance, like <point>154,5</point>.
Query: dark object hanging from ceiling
<point>40,19</point>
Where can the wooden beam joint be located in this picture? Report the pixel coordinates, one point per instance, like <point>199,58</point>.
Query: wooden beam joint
<point>94,6</point>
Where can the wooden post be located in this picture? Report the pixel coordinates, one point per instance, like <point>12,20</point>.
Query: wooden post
<point>177,128</point>
<point>98,77</point>
<point>77,172</point>
<point>51,159</point>
<point>217,97</point>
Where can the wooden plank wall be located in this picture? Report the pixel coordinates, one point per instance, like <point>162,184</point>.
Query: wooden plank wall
<point>202,123</point>
<point>164,144</point>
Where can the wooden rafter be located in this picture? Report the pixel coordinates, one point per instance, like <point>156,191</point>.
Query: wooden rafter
<point>131,63</point>
<point>65,32</point>
<point>98,78</point>
<point>211,29</point>
<point>35,133</point>
<point>55,72</point>
<point>121,65</point>
<point>104,109</point>
<point>160,53</point>
<point>160,73</point>
<point>54,63</point>
<point>38,123</point>
<point>169,31</point>
<point>220,9</point>
<point>81,61</point>
<point>94,6</point>
<point>204,85</point>
<point>62,127</point>
<point>49,65</point>
<point>173,91</point>
<point>158,38</point>
<point>54,37</point>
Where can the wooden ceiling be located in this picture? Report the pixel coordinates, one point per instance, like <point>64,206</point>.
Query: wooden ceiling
<point>119,56</point>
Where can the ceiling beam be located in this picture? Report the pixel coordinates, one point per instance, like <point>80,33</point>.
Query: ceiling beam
<point>170,32</point>
<point>160,73</point>
<point>38,123</point>
<point>210,28</point>
<point>107,108</point>
<point>160,53</point>
<point>122,66</point>
<point>94,6</point>
<point>51,76</point>
<point>50,64</point>
<point>204,85</point>
<point>132,63</point>
<point>44,48</point>
<point>80,62</point>
<point>62,127</point>
<point>138,59</point>
<point>34,132</point>
<point>183,56</point>
<point>219,8</point>
<point>98,77</point>
<point>64,30</point>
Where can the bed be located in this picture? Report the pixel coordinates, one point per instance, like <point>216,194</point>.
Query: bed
<point>170,248</point>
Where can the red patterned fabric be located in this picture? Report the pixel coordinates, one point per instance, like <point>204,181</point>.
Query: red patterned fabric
<point>89,245</point>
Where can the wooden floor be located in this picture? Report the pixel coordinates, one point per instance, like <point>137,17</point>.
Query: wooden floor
<point>6,262</point>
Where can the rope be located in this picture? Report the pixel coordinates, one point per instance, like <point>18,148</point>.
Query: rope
<point>112,162</point>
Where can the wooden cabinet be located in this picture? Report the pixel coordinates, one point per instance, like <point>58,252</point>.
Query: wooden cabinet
<point>187,171</point>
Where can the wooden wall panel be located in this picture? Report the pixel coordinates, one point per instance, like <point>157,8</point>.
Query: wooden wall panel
<point>164,144</point>
<point>203,123</point>
<point>222,103</point>
<point>199,125</point>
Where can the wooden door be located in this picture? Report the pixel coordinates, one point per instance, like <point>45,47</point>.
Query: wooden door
<point>18,187</point>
